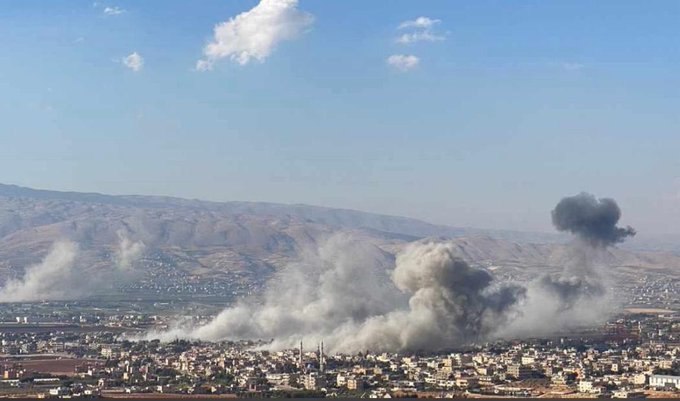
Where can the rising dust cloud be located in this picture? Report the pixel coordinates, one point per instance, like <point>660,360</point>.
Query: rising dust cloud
<point>356,297</point>
<point>45,280</point>
<point>62,276</point>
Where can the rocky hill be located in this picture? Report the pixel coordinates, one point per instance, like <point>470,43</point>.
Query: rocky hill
<point>212,237</point>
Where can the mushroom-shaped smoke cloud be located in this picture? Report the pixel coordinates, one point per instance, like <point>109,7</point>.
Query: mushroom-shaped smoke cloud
<point>577,295</point>
<point>593,220</point>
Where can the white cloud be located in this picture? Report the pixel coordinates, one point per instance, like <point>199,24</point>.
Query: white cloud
<point>424,36</point>
<point>403,62</point>
<point>422,31</point>
<point>204,65</point>
<point>420,22</point>
<point>113,10</point>
<point>134,61</point>
<point>255,33</point>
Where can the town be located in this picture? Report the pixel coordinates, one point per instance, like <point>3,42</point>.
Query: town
<point>633,356</point>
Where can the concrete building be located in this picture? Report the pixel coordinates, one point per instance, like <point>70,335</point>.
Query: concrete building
<point>664,381</point>
<point>519,372</point>
<point>341,380</point>
<point>628,394</point>
<point>585,386</point>
<point>640,379</point>
<point>313,381</point>
<point>355,383</point>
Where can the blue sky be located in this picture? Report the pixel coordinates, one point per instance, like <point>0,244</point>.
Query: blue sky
<point>510,106</point>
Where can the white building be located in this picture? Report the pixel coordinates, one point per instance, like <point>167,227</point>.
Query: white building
<point>662,381</point>
<point>59,391</point>
<point>313,381</point>
<point>628,394</point>
<point>640,379</point>
<point>585,386</point>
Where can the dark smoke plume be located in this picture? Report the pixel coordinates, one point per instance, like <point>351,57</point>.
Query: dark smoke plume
<point>569,290</point>
<point>459,299</point>
<point>350,294</point>
<point>576,296</point>
<point>593,220</point>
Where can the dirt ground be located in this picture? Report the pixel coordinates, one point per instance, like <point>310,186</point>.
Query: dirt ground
<point>56,367</point>
<point>649,311</point>
<point>662,394</point>
<point>161,396</point>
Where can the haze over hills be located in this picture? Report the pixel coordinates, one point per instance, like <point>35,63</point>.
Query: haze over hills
<point>341,218</point>
<point>212,237</point>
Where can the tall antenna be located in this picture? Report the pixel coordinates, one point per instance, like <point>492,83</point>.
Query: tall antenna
<point>301,362</point>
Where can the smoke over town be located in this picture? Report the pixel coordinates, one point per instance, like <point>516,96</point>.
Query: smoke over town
<point>45,279</point>
<point>356,297</point>
<point>128,251</point>
<point>450,303</point>
<point>330,292</point>
<point>345,294</point>
<point>593,220</point>
<point>63,276</point>
<point>578,294</point>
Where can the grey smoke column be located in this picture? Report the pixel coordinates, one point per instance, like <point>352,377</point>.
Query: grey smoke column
<point>593,220</point>
<point>450,303</point>
<point>459,296</point>
<point>351,295</point>
<point>570,290</point>
<point>577,295</point>
<point>48,280</point>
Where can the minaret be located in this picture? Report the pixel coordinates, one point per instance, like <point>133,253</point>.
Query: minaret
<point>302,365</point>
<point>322,359</point>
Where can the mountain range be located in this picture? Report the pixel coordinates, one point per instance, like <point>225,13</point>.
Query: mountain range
<point>213,237</point>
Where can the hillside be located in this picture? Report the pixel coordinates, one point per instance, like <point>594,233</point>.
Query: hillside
<point>211,238</point>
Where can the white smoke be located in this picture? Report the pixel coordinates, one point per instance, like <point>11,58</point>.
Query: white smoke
<point>355,297</point>
<point>128,251</point>
<point>575,297</point>
<point>123,263</point>
<point>330,290</point>
<point>59,277</point>
<point>350,294</point>
<point>546,310</point>
<point>432,300</point>
<point>49,280</point>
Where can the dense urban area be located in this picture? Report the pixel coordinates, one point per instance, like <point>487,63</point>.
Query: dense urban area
<point>268,199</point>
<point>82,349</point>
